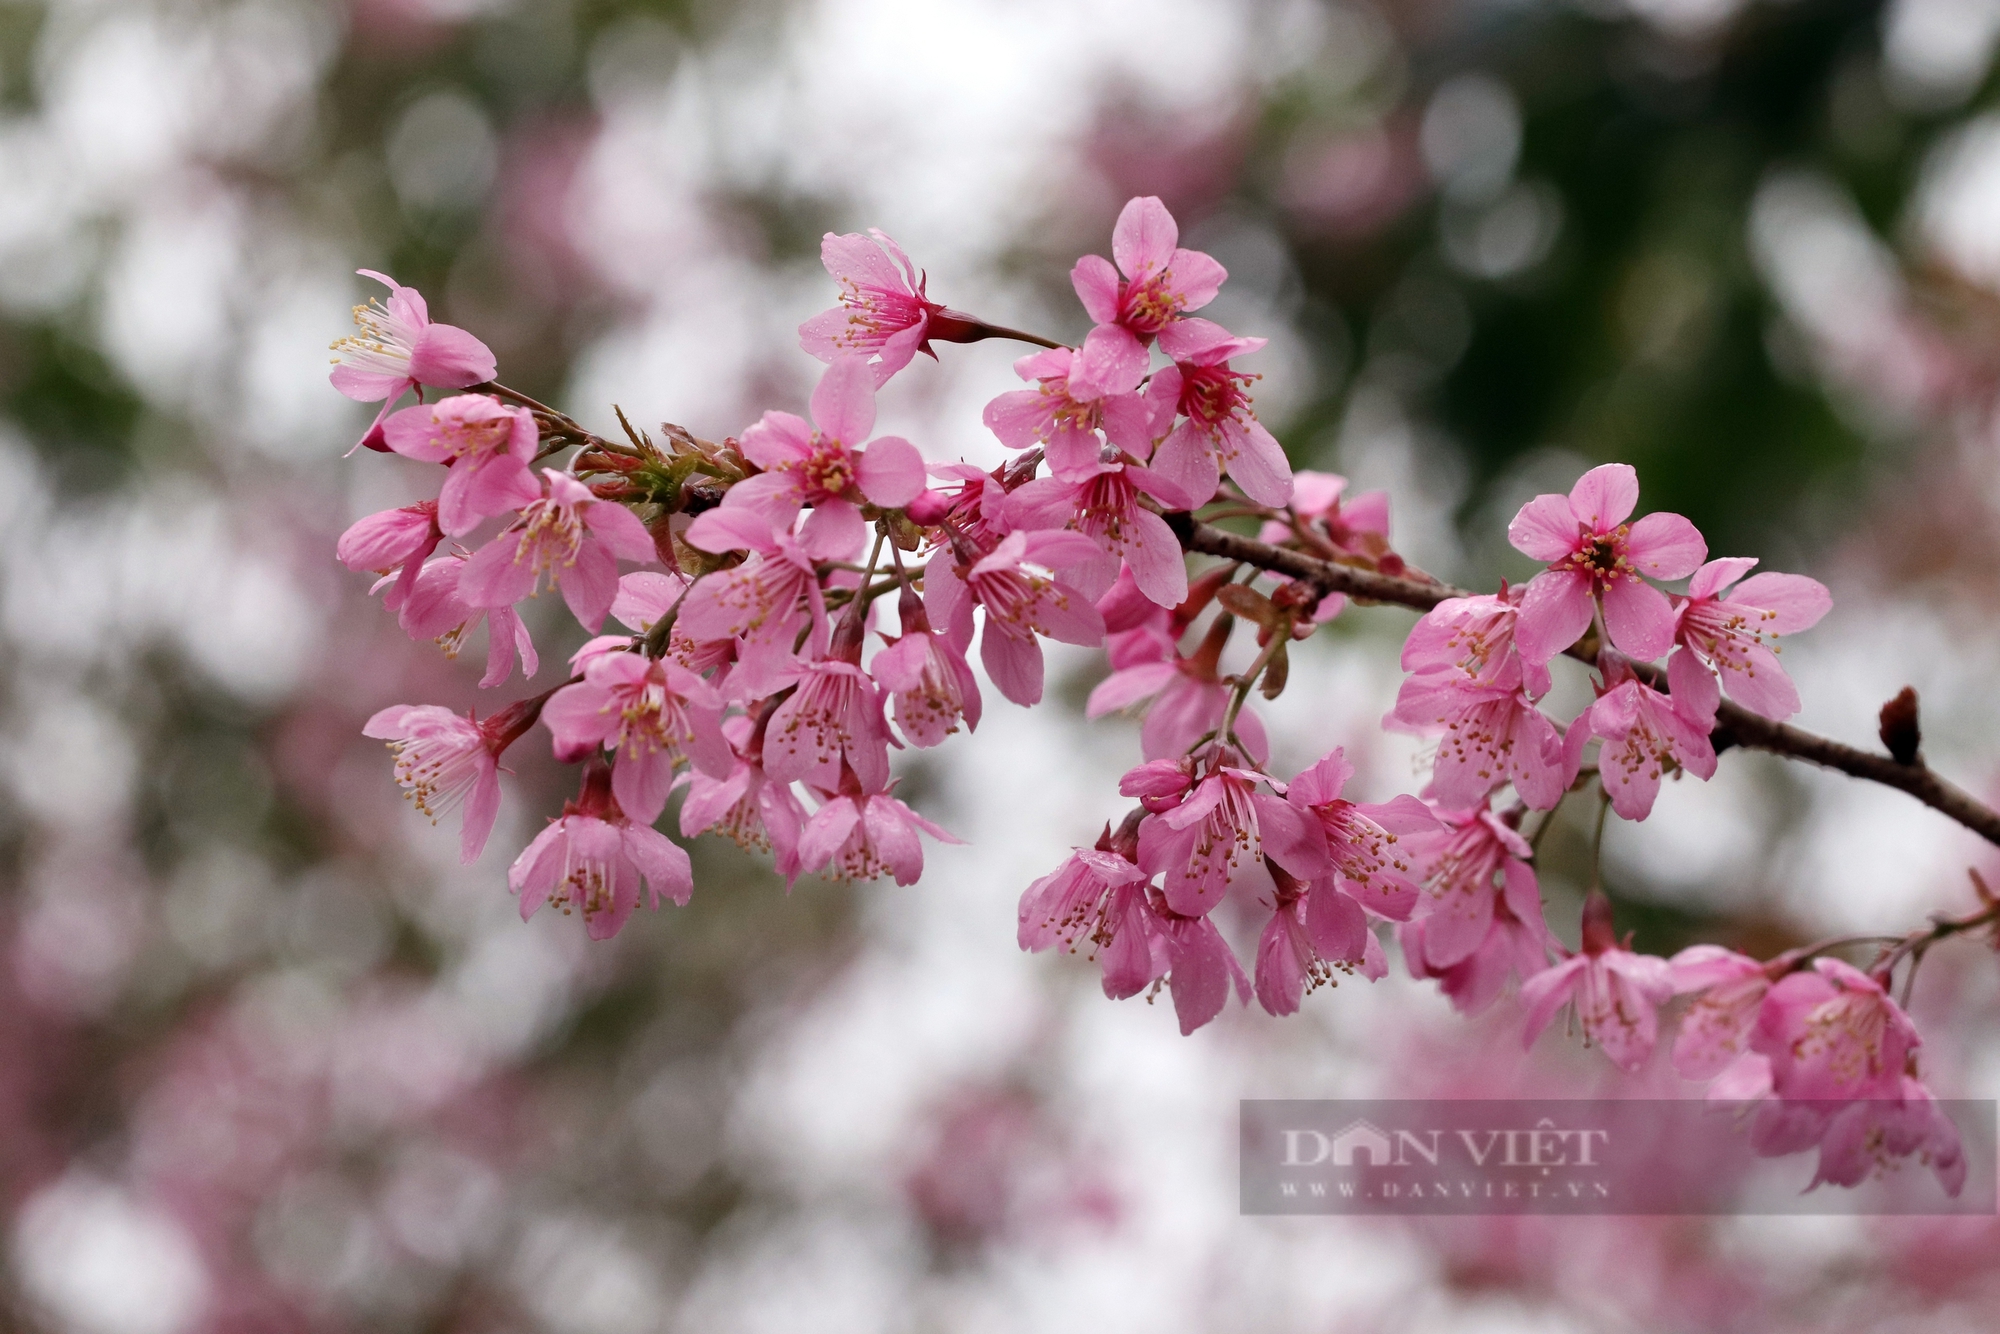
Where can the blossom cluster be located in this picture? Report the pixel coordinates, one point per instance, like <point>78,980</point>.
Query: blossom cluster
<point>756,670</point>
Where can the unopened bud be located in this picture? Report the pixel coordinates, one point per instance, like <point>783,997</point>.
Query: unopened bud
<point>1899,730</point>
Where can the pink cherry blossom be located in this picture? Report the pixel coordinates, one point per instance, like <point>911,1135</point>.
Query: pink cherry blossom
<point>1473,637</point>
<point>1216,837</point>
<point>1472,865</point>
<point>1219,433</point>
<point>435,611</point>
<point>1489,735</point>
<point>746,806</point>
<point>858,835</point>
<point>1832,1033</point>
<point>1647,734</point>
<point>1869,1137</point>
<point>488,446</point>
<point>1593,553</point>
<point>1516,944</point>
<point>444,760</point>
<point>1617,993</point>
<point>568,534</point>
<point>399,348</point>
<point>884,317</point>
<point>1022,589</point>
<point>1154,284</point>
<point>1065,426</point>
<point>827,465</point>
<point>652,713</point>
<point>396,541</point>
<point>833,716</point>
<point>592,860</point>
<point>975,508</point>
<point>933,686</point>
<point>1369,846</point>
<point>1732,633</point>
<point>765,601</point>
<point>1072,905</point>
<point>1184,697</point>
<point>1729,989</point>
<point>1104,506</point>
<point>1314,932</point>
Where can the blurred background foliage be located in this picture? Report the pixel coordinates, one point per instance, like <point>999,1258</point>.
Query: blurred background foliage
<point>268,1060</point>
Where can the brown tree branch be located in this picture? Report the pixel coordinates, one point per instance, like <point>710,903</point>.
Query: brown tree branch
<point>1734,725</point>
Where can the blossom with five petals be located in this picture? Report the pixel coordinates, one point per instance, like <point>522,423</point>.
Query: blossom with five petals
<point>592,860</point>
<point>826,464</point>
<point>1154,284</point>
<point>1024,586</point>
<point>568,534</point>
<point>1064,425</point>
<point>1617,993</point>
<point>486,444</point>
<point>1104,506</point>
<point>1647,734</point>
<point>1218,432</point>
<point>1730,630</point>
<point>884,316</point>
<point>652,713</point>
<point>435,611</point>
<point>1594,553</point>
<point>445,760</point>
<point>399,348</point>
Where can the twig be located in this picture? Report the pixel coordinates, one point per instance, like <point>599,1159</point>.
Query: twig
<point>1734,724</point>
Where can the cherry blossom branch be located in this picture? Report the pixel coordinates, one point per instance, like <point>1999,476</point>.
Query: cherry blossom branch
<point>1734,725</point>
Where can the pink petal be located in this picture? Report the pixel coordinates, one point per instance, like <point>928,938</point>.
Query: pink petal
<point>843,404</point>
<point>482,805</point>
<point>1666,546</point>
<point>1281,978</point>
<point>1096,284</point>
<point>826,831</point>
<point>495,576</point>
<point>1604,497</point>
<point>1545,529</point>
<point>451,357</point>
<point>1695,693</point>
<point>1122,689</point>
<point>855,258</point>
<point>778,438</point>
<point>580,717</point>
<point>1545,992</point>
<point>368,386</point>
<point>1014,664</point>
<point>1764,688</point>
<point>1187,462</point>
<point>1799,601</point>
<point>891,472</point>
<point>1638,617</point>
<point>1717,575</point>
<point>1260,466</point>
<point>1158,564</point>
<point>620,529</point>
<point>1555,611</point>
<point>1112,361</point>
<point>669,874</point>
<point>1196,276</point>
<point>725,529</point>
<point>477,490</point>
<point>641,784</point>
<point>1336,925</point>
<point>1204,342</point>
<point>413,433</point>
<point>590,584</point>
<point>1018,417</point>
<point>1144,238</point>
<point>833,531</point>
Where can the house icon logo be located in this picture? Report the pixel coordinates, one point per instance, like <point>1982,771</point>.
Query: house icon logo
<point>1362,1143</point>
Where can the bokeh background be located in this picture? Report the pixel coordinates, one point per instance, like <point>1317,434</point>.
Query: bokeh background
<point>270,1060</point>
